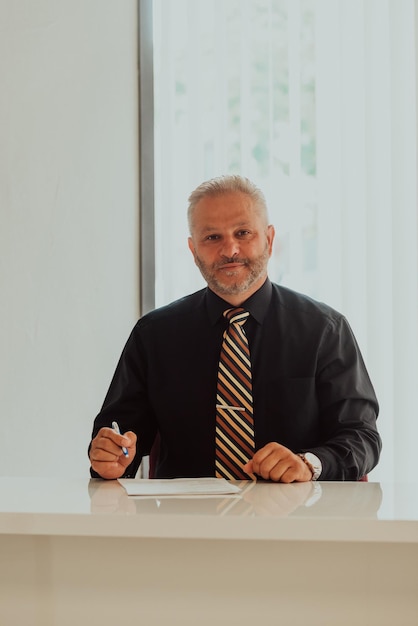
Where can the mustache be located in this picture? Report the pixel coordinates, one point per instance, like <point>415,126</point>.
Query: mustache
<point>227,261</point>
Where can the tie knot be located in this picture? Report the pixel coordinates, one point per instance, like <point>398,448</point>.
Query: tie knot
<point>236,316</point>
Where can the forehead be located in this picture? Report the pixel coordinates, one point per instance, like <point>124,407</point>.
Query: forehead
<point>232,209</point>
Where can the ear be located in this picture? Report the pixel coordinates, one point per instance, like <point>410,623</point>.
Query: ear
<point>270,238</point>
<point>191,247</point>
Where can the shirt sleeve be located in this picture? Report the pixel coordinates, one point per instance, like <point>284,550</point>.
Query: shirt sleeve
<point>127,402</point>
<point>348,407</point>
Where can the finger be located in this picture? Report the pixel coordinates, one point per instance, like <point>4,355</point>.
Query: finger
<point>129,439</point>
<point>108,471</point>
<point>265,467</point>
<point>270,448</point>
<point>110,465</point>
<point>107,439</point>
<point>294,472</point>
<point>106,456</point>
<point>127,444</point>
<point>104,445</point>
<point>267,457</point>
<point>248,467</point>
<point>282,472</point>
<point>253,465</point>
<point>274,468</point>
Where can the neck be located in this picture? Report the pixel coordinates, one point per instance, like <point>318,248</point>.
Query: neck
<point>236,300</point>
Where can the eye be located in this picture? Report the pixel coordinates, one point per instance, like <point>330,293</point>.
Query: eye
<point>243,233</point>
<point>212,238</point>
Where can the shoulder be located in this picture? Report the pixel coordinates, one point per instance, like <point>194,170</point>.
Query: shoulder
<point>177,312</point>
<point>298,306</point>
<point>307,321</point>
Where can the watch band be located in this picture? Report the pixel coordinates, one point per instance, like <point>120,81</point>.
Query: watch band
<point>314,464</point>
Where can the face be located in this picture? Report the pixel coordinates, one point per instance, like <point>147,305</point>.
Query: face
<point>231,245</point>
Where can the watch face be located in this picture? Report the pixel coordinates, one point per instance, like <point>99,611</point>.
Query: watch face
<point>315,462</point>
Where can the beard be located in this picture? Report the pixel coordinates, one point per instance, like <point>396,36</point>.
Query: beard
<point>257,268</point>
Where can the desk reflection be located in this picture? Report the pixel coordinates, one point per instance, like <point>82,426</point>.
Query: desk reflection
<point>326,499</point>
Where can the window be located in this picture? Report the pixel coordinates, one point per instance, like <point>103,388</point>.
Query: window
<point>315,101</point>
<point>235,93</point>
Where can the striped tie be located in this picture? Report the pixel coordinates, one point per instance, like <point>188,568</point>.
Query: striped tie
<point>234,401</point>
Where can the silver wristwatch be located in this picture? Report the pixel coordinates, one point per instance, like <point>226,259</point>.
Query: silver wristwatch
<point>313,463</point>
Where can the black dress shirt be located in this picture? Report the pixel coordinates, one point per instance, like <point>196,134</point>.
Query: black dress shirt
<point>311,390</point>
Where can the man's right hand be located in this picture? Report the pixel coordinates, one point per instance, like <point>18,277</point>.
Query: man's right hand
<point>106,456</point>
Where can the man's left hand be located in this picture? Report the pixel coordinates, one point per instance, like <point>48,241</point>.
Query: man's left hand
<point>279,464</point>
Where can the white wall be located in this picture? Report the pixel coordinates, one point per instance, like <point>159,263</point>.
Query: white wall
<point>68,222</point>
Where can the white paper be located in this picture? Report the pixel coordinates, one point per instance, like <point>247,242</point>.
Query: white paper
<point>177,486</point>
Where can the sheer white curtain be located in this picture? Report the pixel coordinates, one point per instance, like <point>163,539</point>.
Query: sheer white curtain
<point>335,155</point>
<point>367,192</point>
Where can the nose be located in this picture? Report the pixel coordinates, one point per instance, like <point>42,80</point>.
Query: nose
<point>229,247</point>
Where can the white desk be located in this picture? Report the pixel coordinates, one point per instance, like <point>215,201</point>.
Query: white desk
<point>80,552</point>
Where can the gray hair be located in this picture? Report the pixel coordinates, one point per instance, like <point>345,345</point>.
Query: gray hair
<point>226,184</point>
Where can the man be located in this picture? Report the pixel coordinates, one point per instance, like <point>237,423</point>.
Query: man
<point>314,408</point>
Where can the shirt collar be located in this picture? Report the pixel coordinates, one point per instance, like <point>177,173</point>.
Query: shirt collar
<point>257,304</point>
